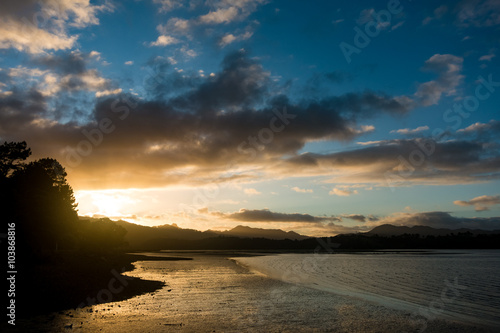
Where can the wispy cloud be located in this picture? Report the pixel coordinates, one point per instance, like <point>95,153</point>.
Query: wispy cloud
<point>251,191</point>
<point>342,193</point>
<point>448,67</point>
<point>301,190</point>
<point>408,131</point>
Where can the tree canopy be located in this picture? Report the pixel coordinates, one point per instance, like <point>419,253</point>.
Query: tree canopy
<point>37,197</point>
<point>12,156</point>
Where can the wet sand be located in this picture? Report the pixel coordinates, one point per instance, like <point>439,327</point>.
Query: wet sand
<point>212,293</point>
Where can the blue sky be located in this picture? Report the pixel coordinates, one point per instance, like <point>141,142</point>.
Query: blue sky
<point>325,118</point>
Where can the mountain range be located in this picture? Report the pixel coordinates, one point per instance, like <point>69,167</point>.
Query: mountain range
<point>172,236</point>
<point>137,235</point>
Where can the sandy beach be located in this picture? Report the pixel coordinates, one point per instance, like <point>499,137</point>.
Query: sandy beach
<point>212,293</point>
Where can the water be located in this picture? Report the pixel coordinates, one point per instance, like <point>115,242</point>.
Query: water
<point>213,293</point>
<point>462,286</point>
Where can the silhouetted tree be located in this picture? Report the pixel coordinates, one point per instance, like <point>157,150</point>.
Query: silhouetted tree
<point>37,197</point>
<point>45,205</point>
<point>12,156</point>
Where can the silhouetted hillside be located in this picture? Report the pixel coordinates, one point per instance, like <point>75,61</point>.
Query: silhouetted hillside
<point>140,237</point>
<point>171,237</point>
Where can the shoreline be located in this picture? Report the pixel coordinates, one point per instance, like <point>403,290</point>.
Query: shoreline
<point>68,283</point>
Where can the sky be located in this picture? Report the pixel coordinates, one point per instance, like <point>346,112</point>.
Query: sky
<point>322,118</point>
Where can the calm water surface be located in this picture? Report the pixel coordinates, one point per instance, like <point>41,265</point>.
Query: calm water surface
<point>458,285</point>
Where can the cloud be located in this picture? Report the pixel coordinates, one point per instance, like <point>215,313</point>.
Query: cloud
<point>50,21</point>
<point>220,12</point>
<point>169,5</point>
<point>164,41</point>
<point>487,57</point>
<point>478,13</point>
<point>58,75</point>
<point>69,72</point>
<point>65,63</point>
<point>481,132</point>
<point>301,190</point>
<point>230,38</point>
<point>368,15</point>
<point>365,16</point>
<point>128,63</point>
<point>397,25</point>
<point>355,217</point>
<point>438,14</point>
<point>251,191</point>
<point>404,162</point>
<point>448,68</point>
<point>493,125</point>
<point>108,92</point>
<point>221,15</point>
<point>175,25</point>
<point>342,193</point>
<point>480,203</point>
<point>407,131</point>
<point>207,127</point>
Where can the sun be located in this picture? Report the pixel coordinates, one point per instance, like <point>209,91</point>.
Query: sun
<point>110,204</point>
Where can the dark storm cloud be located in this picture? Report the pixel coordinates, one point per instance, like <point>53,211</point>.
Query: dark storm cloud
<point>355,217</point>
<point>163,81</point>
<point>215,122</point>
<point>19,8</point>
<point>241,83</point>
<point>265,215</point>
<point>65,63</point>
<point>19,109</point>
<point>411,160</point>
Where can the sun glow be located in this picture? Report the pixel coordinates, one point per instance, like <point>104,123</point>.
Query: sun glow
<point>110,205</point>
<point>107,203</point>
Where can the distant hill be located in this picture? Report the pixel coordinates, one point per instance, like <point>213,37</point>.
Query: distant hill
<point>140,236</point>
<point>249,232</point>
<point>392,230</point>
